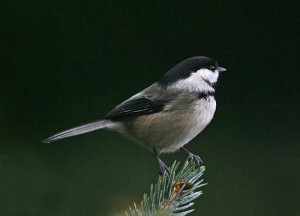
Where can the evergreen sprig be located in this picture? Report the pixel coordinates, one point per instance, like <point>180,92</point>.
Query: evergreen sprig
<point>173,194</point>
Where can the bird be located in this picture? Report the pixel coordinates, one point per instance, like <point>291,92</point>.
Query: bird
<point>168,114</point>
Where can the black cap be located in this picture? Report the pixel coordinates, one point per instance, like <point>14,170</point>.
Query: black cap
<point>183,69</point>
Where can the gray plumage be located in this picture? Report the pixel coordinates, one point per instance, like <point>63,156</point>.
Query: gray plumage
<point>169,113</point>
<point>172,127</point>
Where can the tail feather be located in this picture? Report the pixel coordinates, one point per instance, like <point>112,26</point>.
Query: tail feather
<point>78,130</point>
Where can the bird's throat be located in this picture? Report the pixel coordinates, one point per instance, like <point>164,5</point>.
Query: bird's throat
<point>205,94</point>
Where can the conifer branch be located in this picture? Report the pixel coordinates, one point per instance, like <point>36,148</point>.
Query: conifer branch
<point>172,195</point>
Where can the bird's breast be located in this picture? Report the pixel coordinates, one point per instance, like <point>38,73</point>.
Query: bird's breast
<point>169,130</point>
<point>205,109</point>
<point>200,116</point>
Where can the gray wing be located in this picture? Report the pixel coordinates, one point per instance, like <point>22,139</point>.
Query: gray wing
<point>135,107</point>
<point>147,102</point>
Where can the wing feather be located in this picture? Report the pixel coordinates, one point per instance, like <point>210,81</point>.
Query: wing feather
<point>136,106</point>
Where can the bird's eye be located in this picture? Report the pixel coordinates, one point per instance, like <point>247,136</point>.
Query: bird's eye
<point>212,67</point>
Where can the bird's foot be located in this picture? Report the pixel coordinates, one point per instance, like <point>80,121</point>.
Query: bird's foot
<point>192,157</point>
<point>163,169</point>
<point>195,158</point>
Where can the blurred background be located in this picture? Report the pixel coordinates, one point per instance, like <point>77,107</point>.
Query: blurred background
<point>69,62</point>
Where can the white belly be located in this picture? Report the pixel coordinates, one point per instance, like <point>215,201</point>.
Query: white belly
<point>169,131</point>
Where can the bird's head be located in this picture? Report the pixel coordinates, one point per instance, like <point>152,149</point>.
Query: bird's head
<point>195,74</point>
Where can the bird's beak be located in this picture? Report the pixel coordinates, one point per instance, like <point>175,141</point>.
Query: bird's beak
<point>221,69</point>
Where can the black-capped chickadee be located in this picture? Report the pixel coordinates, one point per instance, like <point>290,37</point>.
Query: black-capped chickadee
<point>168,114</point>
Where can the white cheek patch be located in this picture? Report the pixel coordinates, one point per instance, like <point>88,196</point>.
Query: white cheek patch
<point>195,82</point>
<point>209,75</point>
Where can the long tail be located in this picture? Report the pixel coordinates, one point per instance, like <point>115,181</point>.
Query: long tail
<point>78,130</point>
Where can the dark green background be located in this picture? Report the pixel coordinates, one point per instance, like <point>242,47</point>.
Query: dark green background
<point>66,62</point>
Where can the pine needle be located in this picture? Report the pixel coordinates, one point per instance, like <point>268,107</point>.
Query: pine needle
<point>172,195</point>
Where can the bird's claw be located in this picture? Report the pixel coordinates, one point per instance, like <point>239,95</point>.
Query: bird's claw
<point>195,158</point>
<point>163,169</point>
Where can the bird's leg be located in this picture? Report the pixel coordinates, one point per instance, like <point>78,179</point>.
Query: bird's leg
<point>161,165</point>
<point>192,157</point>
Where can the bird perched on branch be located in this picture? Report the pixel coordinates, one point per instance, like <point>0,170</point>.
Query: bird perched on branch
<point>166,115</point>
